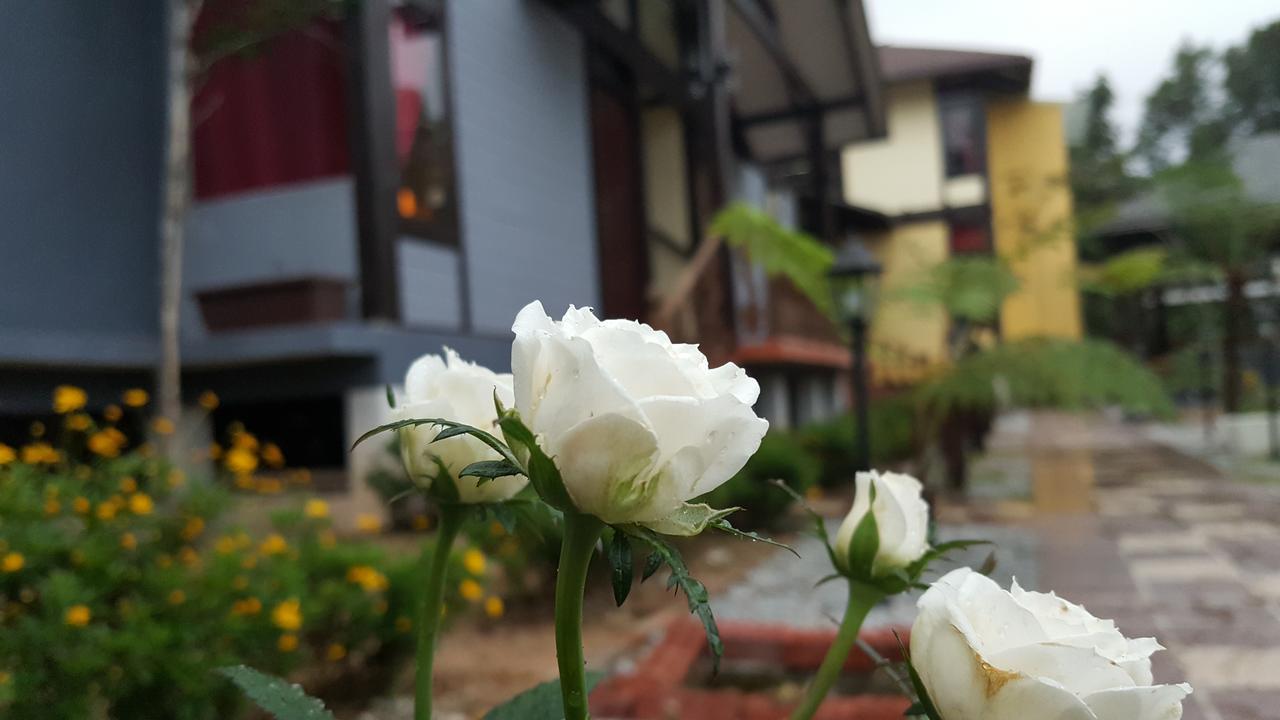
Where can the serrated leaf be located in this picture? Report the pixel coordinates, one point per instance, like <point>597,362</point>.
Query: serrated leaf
<point>620,560</point>
<point>540,702</point>
<point>541,470</point>
<point>988,565</point>
<point>451,429</point>
<point>723,526</point>
<point>694,591</point>
<point>651,566</point>
<point>490,469</point>
<point>284,700</point>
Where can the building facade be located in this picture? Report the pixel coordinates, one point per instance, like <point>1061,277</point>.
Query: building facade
<point>970,165</point>
<point>377,185</point>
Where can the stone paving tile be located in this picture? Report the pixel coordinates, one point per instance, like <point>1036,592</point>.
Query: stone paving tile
<point>1230,667</point>
<point>1202,568</point>
<point>1161,542</point>
<point>1247,705</point>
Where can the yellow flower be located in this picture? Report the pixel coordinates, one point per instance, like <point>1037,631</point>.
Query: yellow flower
<point>494,607</point>
<point>68,398</point>
<point>246,607</point>
<point>12,562</point>
<point>7,455</point>
<point>188,556</point>
<point>241,461</point>
<point>368,523</point>
<point>249,563</point>
<point>208,400</point>
<point>473,561</point>
<point>244,482</point>
<point>106,442</point>
<point>273,545</point>
<point>421,522</point>
<point>107,509</point>
<point>128,485</point>
<point>404,624</point>
<point>52,506</point>
<point>335,652</point>
<point>328,539</point>
<point>244,440</point>
<point>287,643</point>
<point>135,397</point>
<point>215,451</point>
<point>272,456</point>
<point>177,597</point>
<point>225,545</point>
<point>193,529</point>
<point>368,578</point>
<point>141,504</point>
<point>39,453</point>
<point>470,590</point>
<point>78,422</point>
<point>162,426</point>
<point>81,505</point>
<point>128,541</point>
<point>112,413</point>
<point>287,615</point>
<point>316,509</point>
<point>78,615</point>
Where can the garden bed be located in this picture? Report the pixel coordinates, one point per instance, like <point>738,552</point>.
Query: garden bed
<point>761,677</point>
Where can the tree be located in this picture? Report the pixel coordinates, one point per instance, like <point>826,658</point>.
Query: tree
<point>1252,80</point>
<point>1218,226</point>
<point>1099,173</point>
<point>1182,121</point>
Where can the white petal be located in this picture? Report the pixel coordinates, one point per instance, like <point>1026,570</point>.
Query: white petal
<point>566,386</point>
<point>709,440</point>
<point>420,375</point>
<point>639,363</point>
<point>608,464</point>
<point>1159,702</point>
<point>1079,669</point>
<point>949,668</point>
<point>1024,698</point>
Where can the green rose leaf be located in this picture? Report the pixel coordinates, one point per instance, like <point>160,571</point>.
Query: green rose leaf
<point>283,699</point>
<point>694,591</point>
<point>540,702</point>
<point>620,560</point>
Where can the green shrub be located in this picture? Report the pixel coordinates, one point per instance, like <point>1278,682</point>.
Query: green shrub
<point>831,443</point>
<point>122,586</point>
<point>780,457</point>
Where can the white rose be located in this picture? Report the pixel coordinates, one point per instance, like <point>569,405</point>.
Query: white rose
<point>986,654</point>
<point>637,425</point>
<point>902,519</point>
<point>453,389</point>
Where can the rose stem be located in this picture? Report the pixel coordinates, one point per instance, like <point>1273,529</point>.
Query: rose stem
<point>862,598</point>
<point>580,535</point>
<point>434,565</point>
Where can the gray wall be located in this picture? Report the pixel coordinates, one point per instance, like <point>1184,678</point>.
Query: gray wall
<point>81,118</point>
<point>287,231</point>
<point>524,159</point>
<point>430,285</point>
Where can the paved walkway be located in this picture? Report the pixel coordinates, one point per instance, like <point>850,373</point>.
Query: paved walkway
<point>1168,546</point>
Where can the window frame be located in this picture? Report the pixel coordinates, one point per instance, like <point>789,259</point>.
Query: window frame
<point>974,104</point>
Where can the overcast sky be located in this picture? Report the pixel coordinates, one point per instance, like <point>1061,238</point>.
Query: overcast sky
<point>1133,41</point>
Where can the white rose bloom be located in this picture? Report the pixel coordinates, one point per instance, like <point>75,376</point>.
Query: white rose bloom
<point>902,518</point>
<point>451,388</point>
<point>986,654</point>
<point>637,425</point>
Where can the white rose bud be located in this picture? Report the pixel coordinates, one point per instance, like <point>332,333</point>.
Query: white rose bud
<point>451,388</point>
<point>986,654</point>
<point>636,424</point>
<point>902,519</point>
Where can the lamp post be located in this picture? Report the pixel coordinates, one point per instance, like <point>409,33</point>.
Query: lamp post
<point>854,276</point>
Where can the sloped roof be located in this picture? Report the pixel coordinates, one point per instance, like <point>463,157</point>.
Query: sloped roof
<point>902,64</point>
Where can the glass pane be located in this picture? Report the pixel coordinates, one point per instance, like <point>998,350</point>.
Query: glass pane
<point>423,136</point>
<point>962,136</point>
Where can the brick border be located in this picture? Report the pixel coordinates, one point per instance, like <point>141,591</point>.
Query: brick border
<point>657,691</point>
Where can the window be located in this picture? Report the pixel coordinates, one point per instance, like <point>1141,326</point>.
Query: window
<point>969,238</point>
<point>423,137</point>
<point>963,135</point>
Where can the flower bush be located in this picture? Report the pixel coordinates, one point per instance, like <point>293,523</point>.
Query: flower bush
<point>124,584</point>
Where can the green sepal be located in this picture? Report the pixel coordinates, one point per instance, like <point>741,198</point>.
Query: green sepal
<point>924,704</point>
<point>723,526</point>
<point>391,396</point>
<point>618,550</point>
<point>283,699</point>
<point>488,470</point>
<point>690,519</point>
<point>542,471</point>
<point>860,555</point>
<point>694,591</point>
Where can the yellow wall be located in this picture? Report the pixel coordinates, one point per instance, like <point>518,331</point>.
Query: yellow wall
<point>666,194</point>
<point>903,172</point>
<point>1031,217</point>
<point>907,338</point>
